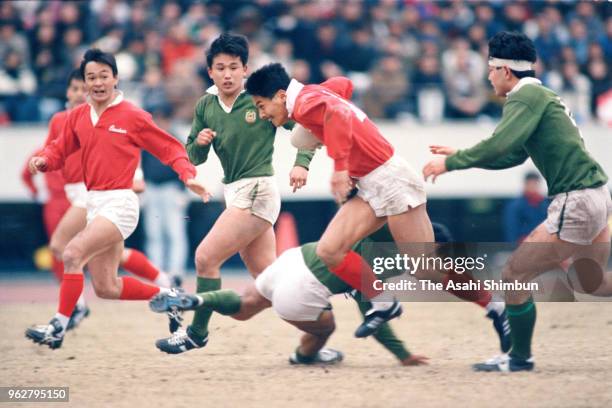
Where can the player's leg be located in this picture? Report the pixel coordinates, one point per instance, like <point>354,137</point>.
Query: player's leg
<point>353,221</point>
<point>98,236</point>
<point>234,230</point>
<point>540,252</point>
<point>588,269</point>
<point>260,253</point>
<point>73,221</point>
<point>316,333</point>
<point>137,263</point>
<point>225,302</point>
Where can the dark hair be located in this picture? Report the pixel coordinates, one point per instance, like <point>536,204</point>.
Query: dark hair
<point>74,74</point>
<point>231,44</point>
<point>101,57</point>
<point>268,80</point>
<point>514,46</point>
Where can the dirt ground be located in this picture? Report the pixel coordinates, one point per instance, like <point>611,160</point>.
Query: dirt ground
<point>111,360</point>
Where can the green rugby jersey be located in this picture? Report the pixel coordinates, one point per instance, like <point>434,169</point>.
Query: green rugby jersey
<point>537,124</point>
<point>244,142</point>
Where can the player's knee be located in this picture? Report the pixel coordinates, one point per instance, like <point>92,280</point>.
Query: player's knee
<point>329,255</point>
<point>205,263</point>
<point>56,247</point>
<point>327,324</point>
<point>72,257</point>
<point>106,291</point>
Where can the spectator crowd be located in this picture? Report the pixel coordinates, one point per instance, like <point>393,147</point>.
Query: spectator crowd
<point>407,58</point>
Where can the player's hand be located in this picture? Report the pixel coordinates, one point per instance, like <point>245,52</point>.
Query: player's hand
<point>138,186</point>
<point>445,150</point>
<point>298,177</point>
<point>341,185</point>
<point>435,168</point>
<point>37,164</point>
<point>415,360</point>
<point>205,137</point>
<point>198,188</point>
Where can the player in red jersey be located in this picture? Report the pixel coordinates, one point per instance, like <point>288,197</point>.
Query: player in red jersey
<point>389,189</point>
<point>66,211</point>
<point>110,133</point>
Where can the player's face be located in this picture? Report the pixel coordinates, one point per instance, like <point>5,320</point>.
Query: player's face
<point>499,78</point>
<point>228,73</point>
<point>76,92</point>
<point>100,82</point>
<point>273,109</point>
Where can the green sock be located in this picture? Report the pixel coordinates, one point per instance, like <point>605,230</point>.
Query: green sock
<point>201,317</point>
<point>226,302</point>
<point>522,320</point>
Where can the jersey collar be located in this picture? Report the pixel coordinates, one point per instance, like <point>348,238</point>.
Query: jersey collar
<point>522,82</point>
<point>92,112</point>
<point>293,90</point>
<point>213,90</point>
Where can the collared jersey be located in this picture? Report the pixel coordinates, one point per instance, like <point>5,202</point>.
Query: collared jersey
<point>110,147</point>
<point>352,140</point>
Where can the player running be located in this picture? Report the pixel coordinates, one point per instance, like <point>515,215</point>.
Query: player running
<point>389,189</point>
<point>110,133</point>
<point>536,124</point>
<point>226,120</point>
<point>73,217</point>
<point>298,286</point>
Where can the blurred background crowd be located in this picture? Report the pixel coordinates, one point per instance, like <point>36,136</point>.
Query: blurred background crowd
<point>408,59</point>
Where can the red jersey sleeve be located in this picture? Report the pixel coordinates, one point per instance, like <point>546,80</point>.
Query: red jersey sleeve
<point>62,142</point>
<point>27,177</point>
<point>340,85</point>
<point>335,115</point>
<point>165,147</point>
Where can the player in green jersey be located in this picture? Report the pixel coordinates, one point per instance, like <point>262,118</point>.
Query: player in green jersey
<point>226,120</point>
<point>298,286</point>
<point>535,123</point>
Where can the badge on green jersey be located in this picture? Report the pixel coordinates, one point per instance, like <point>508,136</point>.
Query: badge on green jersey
<point>250,116</point>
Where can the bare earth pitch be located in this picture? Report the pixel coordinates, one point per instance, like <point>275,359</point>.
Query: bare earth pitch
<point>111,360</point>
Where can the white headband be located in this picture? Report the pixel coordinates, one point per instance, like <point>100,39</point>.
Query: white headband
<point>515,65</point>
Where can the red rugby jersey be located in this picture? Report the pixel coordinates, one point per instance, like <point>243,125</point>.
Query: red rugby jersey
<point>110,149</point>
<point>352,140</point>
<point>72,170</point>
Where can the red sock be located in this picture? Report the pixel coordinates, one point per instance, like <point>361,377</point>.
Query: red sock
<point>133,289</point>
<point>356,273</point>
<point>481,297</point>
<point>138,264</point>
<point>57,267</point>
<point>70,290</point>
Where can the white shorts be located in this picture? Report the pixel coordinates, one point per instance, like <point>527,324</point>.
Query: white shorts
<point>392,188</point>
<point>259,194</point>
<point>579,216</point>
<point>118,206</point>
<point>296,294</point>
<point>77,194</point>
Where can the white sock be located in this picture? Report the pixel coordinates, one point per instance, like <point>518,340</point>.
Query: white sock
<point>381,302</point>
<point>164,291</point>
<point>496,306</point>
<point>163,280</point>
<point>63,320</point>
<point>81,302</point>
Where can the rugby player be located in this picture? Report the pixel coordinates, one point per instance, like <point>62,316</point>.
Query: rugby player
<point>110,133</point>
<point>537,124</point>
<point>226,120</point>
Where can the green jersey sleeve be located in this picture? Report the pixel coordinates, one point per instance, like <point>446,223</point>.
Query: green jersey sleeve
<point>197,154</point>
<point>385,335</point>
<point>509,160</point>
<point>303,158</point>
<point>518,123</point>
